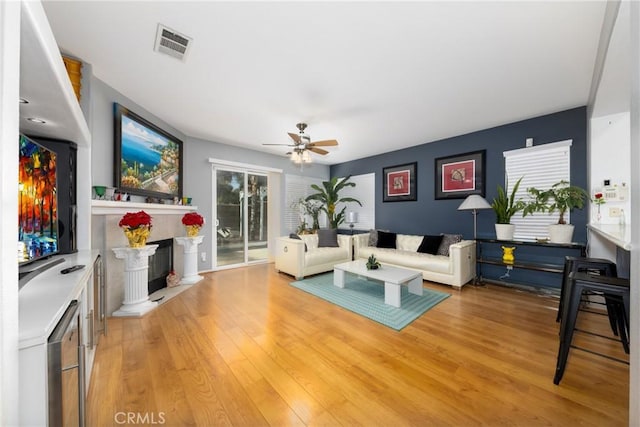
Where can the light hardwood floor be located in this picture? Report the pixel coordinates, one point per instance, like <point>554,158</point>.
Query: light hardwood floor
<point>244,348</point>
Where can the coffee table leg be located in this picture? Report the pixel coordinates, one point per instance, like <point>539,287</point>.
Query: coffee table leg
<point>415,286</point>
<point>338,278</point>
<point>392,294</point>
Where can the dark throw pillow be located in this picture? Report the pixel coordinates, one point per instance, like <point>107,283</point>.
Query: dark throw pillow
<point>386,240</point>
<point>448,240</point>
<point>328,238</point>
<point>296,237</point>
<point>430,244</point>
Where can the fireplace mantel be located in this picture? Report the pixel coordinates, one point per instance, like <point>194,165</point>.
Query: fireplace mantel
<point>109,207</point>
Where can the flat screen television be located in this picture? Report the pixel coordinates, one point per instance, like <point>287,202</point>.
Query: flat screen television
<point>37,202</point>
<point>148,160</point>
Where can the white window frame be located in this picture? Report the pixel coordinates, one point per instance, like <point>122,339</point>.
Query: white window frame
<point>540,166</point>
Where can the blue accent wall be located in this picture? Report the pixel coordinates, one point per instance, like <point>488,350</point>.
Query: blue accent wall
<point>430,216</point>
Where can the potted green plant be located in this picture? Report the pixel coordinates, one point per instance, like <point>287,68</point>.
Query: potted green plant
<point>372,263</point>
<point>329,197</point>
<point>506,206</point>
<point>561,197</point>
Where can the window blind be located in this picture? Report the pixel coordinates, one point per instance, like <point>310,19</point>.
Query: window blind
<point>540,167</point>
<point>297,187</point>
<point>365,192</point>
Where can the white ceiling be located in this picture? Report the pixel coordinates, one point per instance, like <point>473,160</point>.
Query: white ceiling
<point>376,76</point>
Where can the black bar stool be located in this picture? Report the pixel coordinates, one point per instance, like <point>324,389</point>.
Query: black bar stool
<point>578,283</point>
<point>599,266</point>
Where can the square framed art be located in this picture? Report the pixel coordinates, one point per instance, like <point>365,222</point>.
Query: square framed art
<point>460,176</point>
<point>400,183</point>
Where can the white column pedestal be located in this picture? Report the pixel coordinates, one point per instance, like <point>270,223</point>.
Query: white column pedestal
<point>190,273</point>
<point>136,277</point>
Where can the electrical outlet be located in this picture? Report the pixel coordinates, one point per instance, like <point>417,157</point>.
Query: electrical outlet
<point>203,256</point>
<point>614,212</point>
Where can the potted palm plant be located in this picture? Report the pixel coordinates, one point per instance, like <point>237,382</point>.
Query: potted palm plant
<point>561,197</point>
<point>329,197</point>
<point>506,206</point>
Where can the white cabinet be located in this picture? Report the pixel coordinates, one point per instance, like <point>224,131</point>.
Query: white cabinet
<point>42,302</point>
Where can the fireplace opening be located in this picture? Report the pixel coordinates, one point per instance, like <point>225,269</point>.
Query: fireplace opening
<point>160,265</point>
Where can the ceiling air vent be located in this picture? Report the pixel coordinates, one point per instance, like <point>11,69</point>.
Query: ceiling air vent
<point>172,43</point>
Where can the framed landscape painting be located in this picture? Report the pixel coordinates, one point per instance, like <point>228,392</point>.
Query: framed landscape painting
<point>400,183</point>
<point>460,176</point>
<point>148,160</point>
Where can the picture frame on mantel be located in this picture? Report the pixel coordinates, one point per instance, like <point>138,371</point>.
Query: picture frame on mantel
<point>459,176</point>
<point>400,183</point>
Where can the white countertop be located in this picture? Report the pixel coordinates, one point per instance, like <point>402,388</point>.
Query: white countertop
<point>44,299</point>
<point>620,235</point>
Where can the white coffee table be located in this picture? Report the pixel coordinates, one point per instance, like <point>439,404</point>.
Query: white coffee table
<point>393,278</point>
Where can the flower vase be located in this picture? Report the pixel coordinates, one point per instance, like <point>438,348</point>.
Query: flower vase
<point>192,230</point>
<point>137,236</point>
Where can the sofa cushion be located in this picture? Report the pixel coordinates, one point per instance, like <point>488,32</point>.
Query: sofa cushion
<point>430,244</point>
<point>310,240</point>
<point>328,238</point>
<point>414,260</point>
<point>386,240</point>
<point>408,242</point>
<point>296,237</point>
<point>373,238</point>
<point>321,256</point>
<point>448,240</point>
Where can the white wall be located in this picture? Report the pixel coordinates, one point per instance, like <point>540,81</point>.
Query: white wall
<point>9,119</point>
<point>614,145</point>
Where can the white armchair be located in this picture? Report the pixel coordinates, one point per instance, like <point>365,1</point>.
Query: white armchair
<point>293,259</point>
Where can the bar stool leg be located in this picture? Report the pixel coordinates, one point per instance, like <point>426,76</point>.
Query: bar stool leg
<point>571,305</point>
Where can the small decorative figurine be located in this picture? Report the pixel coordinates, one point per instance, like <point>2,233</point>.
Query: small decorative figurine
<point>507,254</point>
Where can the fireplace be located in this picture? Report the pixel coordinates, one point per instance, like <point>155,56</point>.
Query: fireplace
<point>160,264</point>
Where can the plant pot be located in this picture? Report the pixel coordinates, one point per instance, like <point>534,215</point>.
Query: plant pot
<point>560,233</point>
<point>505,231</point>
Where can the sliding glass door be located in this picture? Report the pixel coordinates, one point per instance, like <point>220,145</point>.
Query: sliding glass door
<point>241,217</point>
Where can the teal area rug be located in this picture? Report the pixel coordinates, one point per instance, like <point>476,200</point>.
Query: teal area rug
<point>366,297</point>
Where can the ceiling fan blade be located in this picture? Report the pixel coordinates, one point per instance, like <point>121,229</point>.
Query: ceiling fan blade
<point>317,150</point>
<point>325,143</point>
<point>295,137</point>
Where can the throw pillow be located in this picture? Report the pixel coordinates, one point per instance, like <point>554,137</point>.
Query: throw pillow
<point>448,240</point>
<point>328,238</point>
<point>296,237</point>
<point>386,240</point>
<point>373,238</point>
<point>430,244</point>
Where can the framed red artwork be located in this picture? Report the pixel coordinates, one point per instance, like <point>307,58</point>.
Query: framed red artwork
<point>460,176</point>
<point>399,183</point>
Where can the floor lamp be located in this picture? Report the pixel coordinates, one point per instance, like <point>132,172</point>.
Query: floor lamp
<point>474,203</point>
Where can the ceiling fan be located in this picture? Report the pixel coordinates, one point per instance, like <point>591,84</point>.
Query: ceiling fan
<point>302,145</point>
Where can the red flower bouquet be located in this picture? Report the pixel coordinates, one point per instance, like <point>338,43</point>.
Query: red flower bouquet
<point>137,227</point>
<point>135,220</point>
<point>193,218</point>
<point>192,221</point>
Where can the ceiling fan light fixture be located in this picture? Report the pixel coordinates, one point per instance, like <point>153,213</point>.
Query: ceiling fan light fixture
<point>306,157</point>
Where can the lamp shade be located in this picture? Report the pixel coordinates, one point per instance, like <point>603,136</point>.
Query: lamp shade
<point>474,202</point>
<point>352,217</point>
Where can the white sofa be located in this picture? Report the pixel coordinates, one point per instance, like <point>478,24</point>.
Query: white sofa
<point>456,270</point>
<point>291,257</point>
